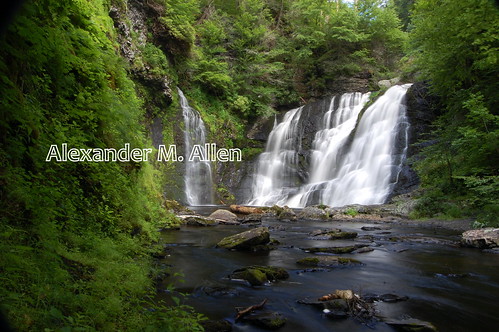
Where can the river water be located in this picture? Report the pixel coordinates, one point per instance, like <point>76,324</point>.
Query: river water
<point>456,289</point>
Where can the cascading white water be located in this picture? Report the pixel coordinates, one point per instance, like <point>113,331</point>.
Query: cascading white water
<point>277,163</point>
<point>198,177</point>
<point>337,125</point>
<point>352,162</point>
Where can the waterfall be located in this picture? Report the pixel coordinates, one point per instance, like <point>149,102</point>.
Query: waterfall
<point>352,160</point>
<point>277,164</point>
<point>198,177</point>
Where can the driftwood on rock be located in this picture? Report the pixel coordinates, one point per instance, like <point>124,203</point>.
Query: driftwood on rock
<point>241,313</point>
<point>244,209</point>
<point>338,294</point>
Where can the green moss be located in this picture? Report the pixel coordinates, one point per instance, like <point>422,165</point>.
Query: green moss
<point>343,260</point>
<point>308,261</point>
<point>333,250</point>
<point>335,235</point>
<point>351,212</point>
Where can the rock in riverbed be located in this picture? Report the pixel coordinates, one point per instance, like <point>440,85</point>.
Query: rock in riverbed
<point>259,275</point>
<point>223,215</point>
<point>246,240</point>
<point>195,220</point>
<point>335,250</point>
<point>327,261</point>
<point>216,325</point>
<point>486,238</point>
<point>332,234</point>
<point>313,213</point>
<point>282,213</point>
<point>268,320</point>
<point>411,325</point>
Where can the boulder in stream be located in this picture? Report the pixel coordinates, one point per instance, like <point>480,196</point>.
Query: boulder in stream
<point>485,238</point>
<point>312,212</point>
<point>259,275</point>
<point>333,234</point>
<point>252,218</point>
<point>196,220</point>
<point>224,216</point>
<point>282,213</point>
<point>246,240</point>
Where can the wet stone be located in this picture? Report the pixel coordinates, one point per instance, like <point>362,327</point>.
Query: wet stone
<point>216,325</point>
<point>246,240</point>
<point>327,261</point>
<point>259,275</point>
<point>220,291</point>
<point>411,325</point>
<point>362,250</point>
<point>335,250</point>
<point>375,228</point>
<point>198,221</point>
<point>268,320</point>
<point>332,234</point>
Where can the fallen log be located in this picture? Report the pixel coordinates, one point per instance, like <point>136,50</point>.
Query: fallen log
<point>241,313</point>
<point>244,209</point>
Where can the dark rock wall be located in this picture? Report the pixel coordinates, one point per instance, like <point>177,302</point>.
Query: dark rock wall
<point>422,110</point>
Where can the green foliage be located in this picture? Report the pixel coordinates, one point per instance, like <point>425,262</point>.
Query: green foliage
<point>178,19</point>
<point>76,238</point>
<point>460,62</point>
<point>155,60</point>
<point>351,212</point>
<point>463,54</point>
<point>258,54</point>
<point>214,76</point>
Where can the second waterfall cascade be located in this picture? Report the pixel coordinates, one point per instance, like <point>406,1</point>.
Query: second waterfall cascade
<point>198,177</point>
<point>352,160</point>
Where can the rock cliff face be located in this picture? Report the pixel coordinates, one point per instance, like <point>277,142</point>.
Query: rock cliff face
<point>421,111</point>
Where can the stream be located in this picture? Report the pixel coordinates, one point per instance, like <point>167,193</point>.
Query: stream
<point>456,289</point>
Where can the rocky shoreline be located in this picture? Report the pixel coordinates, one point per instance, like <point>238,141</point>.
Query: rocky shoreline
<point>391,214</point>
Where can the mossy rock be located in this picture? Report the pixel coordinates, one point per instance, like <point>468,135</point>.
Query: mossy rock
<point>254,276</point>
<point>258,275</point>
<point>199,221</point>
<point>216,325</point>
<point>177,208</point>
<point>308,261</point>
<point>335,250</point>
<point>281,213</point>
<point>273,272</point>
<point>246,240</point>
<point>334,235</point>
<point>267,320</point>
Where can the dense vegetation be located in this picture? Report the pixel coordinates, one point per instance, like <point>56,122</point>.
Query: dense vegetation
<point>455,46</point>
<point>77,238</point>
